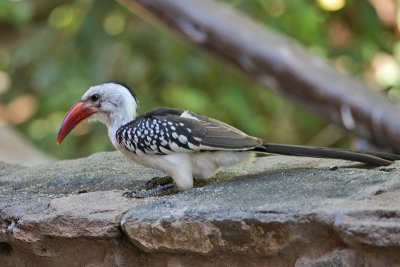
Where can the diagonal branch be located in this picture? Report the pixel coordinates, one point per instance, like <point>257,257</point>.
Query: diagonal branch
<point>281,64</point>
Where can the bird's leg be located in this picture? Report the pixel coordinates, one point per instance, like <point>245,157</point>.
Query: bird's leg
<point>157,181</point>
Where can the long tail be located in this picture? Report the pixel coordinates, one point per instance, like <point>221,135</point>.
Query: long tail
<point>372,158</point>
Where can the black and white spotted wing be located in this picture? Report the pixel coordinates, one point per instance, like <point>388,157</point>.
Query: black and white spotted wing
<point>165,131</point>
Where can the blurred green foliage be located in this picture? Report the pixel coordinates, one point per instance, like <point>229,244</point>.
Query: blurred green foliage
<point>55,50</point>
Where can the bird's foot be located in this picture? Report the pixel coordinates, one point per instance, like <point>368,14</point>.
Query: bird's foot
<point>152,192</point>
<point>157,181</point>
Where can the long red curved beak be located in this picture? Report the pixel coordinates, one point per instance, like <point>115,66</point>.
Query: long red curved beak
<point>75,115</point>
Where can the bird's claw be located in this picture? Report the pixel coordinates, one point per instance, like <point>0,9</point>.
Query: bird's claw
<point>128,194</point>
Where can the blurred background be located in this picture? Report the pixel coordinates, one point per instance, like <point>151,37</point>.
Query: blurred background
<point>52,51</point>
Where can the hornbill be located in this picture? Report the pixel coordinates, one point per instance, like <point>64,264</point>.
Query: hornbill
<point>182,143</point>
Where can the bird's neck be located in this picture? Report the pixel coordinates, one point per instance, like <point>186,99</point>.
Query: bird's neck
<point>115,121</point>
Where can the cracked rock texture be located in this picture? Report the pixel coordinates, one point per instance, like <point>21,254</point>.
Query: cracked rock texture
<point>276,211</point>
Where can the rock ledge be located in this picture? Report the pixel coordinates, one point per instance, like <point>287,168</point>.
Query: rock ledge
<point>277,211</point>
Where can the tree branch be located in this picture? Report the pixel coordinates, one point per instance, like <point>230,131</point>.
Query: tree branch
<point>281,64</point>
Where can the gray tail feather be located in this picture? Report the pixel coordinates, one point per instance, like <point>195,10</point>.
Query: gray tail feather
<point>372,158</point>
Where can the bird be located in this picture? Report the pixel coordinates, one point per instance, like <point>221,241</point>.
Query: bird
<point>181,143</point>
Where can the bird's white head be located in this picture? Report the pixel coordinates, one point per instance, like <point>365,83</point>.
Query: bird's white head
<point>111,103</point>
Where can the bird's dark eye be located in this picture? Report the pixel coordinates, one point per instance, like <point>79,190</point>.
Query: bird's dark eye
<point>95,97</point>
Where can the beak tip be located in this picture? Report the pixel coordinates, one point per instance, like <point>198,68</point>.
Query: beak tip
<point>59,139</point>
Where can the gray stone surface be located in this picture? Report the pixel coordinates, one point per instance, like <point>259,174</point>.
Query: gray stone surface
<point>276,211</point>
